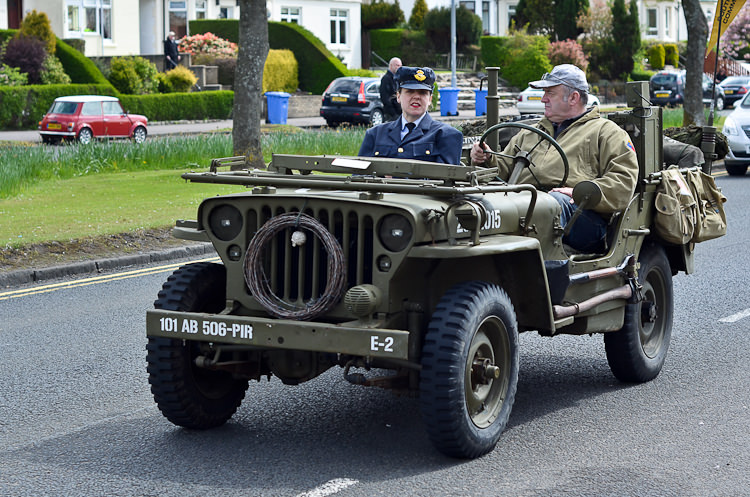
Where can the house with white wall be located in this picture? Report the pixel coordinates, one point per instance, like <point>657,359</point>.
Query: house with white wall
<point>139,27</point>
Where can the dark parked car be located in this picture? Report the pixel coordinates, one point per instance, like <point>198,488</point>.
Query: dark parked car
<point>85,117</point>
<point>352,100</point>
<point>668,88</point>
<point>735,87</point>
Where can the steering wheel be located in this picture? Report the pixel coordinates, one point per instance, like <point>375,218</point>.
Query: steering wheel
<point>522,158</point>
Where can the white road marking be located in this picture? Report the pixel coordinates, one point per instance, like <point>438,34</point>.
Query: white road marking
<point>330,487</point>
<point>735,317</point>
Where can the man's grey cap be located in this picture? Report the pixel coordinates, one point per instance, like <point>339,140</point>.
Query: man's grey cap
<point>564,74</point>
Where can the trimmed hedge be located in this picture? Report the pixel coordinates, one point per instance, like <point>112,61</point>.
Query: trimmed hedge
<point>494,50</point>
<point>180,106</point>
<point>79,67</point>
<point>229,29</point>
<point>317,65</point>
<point>387,42</point>
<point>22,107</point>
<point>6,34</point>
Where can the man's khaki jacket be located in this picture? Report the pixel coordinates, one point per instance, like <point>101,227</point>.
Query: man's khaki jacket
<point>597,150</point>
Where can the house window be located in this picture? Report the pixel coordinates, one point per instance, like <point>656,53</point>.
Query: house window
<point>667,15</point>
<point>89,16</point>
<point>200,9</point>
<point>290,14</point>
<point>511,14</point>
<point>470,6</point>
<point>226,13</point>
<point>338,26</point>
<point>178,18</point>
<point>486,16</point>
<point>652,16</point>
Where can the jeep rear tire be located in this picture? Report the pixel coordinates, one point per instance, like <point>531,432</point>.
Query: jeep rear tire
<point>637,351</point>
<point>187,395</point>
<point>469,369</point>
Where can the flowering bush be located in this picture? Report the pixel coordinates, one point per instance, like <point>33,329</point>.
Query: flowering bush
<point>734,42</point>
<point>207,43</point>
<point>567,52</point>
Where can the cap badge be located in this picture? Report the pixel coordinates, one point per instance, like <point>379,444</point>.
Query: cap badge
<point>419,75</point>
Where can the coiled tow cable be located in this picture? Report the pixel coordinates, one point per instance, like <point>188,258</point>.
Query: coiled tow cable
<point>258,283</point>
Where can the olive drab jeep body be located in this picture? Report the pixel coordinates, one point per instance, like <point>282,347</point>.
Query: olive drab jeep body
<point>408,275</point>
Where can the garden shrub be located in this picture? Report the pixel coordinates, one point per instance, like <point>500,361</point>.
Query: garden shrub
<point>180,79</point>
<point>133,75</point>
<point>28,55</point>
<point>280,71</point>
<point>527,58</point>
<point>671,55</point>
<point>656,56</point>
<point>53,72</point>
<point>381,14</point>
<point>567,52</point>
<point>36,25</point>
<point>12,76</point>
<point>162,83</point>
<point>437,26</point>
<point>641,75</point>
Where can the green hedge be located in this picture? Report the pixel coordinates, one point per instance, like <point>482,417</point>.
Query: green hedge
<point>79,67</point>
<point>229,29</point>
<point>6,34</point>
<point>22,107</point>
<point>179,106</point>
<point>494,50</point>
<point>387,42</point>
<point>317,65</point>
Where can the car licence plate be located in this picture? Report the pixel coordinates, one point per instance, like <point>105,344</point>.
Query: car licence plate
<point>54,126</point>
<point>534,98</point>
<point>338,99</point>
<point>662,94</point>
<point>729,92</point>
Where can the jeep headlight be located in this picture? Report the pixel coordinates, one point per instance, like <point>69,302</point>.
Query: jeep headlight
<point>395,232</point>
<point>225,222</point>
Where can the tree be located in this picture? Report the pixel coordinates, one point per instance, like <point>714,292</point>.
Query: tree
<point>416,19</point>
<point>596,23</point>
<point>538,16</point>
<point>626,37</point>
<point>566,14</point>
<point>248,80</point>
<point>697,29</point>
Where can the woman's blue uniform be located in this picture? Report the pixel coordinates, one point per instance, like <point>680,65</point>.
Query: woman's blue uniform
<point>430,141</point>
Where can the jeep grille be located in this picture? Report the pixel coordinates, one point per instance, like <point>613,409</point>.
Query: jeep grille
<point>298,274</point>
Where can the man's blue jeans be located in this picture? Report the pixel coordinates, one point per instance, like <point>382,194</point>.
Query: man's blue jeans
<point>588,232</point>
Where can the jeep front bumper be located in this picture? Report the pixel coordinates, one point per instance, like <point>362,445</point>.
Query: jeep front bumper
<point>265,333</point>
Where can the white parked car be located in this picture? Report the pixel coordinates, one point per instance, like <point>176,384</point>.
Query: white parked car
<point>530,101</point>
<point>737,131</point>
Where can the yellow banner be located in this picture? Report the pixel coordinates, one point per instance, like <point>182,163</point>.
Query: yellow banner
<point>726,11</point>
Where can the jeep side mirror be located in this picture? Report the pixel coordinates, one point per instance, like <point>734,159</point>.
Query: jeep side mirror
<point>586,195</point>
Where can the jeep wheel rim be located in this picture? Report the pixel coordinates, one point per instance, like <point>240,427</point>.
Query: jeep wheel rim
<point>487,370</point>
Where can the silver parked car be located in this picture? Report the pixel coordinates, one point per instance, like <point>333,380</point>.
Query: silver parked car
<point>530,101</point>
<point>737,131</point>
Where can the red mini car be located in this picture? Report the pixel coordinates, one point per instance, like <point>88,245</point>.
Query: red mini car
<point>85,117</point>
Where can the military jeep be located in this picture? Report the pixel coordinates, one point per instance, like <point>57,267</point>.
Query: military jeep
<point>408,275</point>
